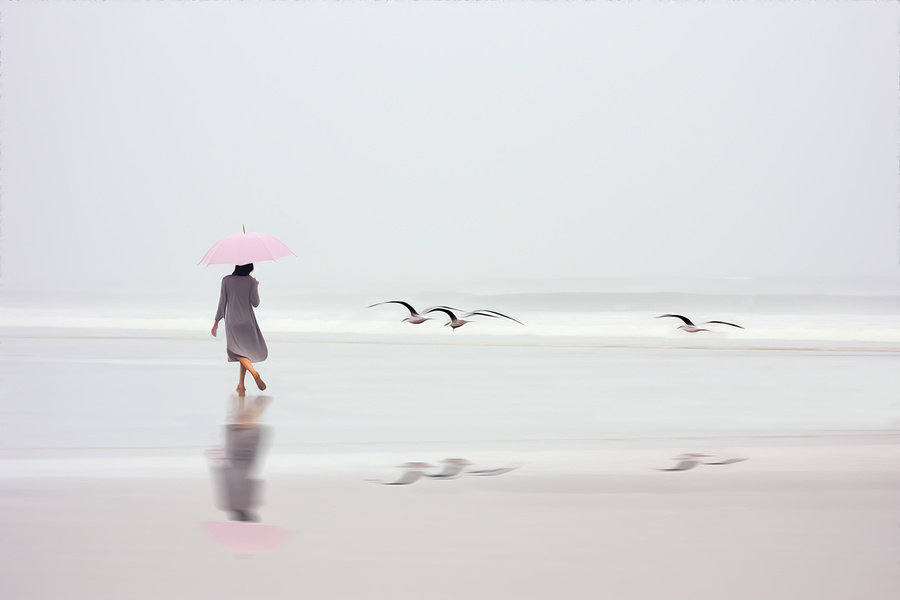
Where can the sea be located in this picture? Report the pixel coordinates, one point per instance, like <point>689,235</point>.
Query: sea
<point>131,381</point>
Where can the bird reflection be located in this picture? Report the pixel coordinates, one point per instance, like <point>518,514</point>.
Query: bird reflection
<point>414,472</point>
<point>490,472</point>
<point>238,492</point>
<point>688,461</point>
<point>454,468</point>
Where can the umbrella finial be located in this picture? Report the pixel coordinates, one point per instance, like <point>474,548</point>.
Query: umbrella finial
<point>243,229</point>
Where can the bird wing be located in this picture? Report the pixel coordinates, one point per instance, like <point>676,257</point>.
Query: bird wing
<point>427,310</point>
<point>491,313</point>
<point>685,319</point>
<point>727,461</point>
<point>443,310</point>
<point>724,323</point>
<point>412,311</point>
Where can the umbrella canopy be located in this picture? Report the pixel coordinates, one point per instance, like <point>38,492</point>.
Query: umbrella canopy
<point>246,538</point>
<point>243,248</point>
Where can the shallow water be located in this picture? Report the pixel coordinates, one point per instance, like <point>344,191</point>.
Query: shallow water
<point>169,393</point>
<point>105,486</point>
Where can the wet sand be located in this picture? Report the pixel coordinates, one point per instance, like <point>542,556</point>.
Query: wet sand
<point>690,535</point>
<point>103,483</point>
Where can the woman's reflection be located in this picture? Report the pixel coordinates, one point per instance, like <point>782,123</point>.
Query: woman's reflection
<point>238,491</point>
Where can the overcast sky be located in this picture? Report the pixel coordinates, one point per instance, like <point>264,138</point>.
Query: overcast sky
<point>450,140</point>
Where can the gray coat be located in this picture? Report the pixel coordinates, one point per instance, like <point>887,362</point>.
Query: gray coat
<point>237,298</point>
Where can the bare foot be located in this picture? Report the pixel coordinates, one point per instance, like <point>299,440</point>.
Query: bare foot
<point>241,390</point>
<point>259,382</point>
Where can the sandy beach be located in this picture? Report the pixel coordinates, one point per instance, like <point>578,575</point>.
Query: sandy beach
<point>104,494</point>
<point>794,536</point>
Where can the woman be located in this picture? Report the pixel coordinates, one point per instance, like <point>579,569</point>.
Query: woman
<point>246,345</point>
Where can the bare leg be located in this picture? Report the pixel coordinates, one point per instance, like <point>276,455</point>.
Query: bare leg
<point>245,363</point>
<point>241,390</point>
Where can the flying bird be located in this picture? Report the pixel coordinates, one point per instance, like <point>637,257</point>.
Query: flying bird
<point>456,322</point>
<point>414,317</point>
<point>691,328</point>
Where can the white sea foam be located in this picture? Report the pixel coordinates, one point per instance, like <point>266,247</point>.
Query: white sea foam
<point>596,325</point>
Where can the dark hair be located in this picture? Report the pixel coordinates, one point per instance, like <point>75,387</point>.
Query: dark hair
<point>243,270</point>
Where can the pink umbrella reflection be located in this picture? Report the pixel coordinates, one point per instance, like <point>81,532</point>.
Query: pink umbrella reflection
<point>244,248</point>
<point>246,538</point>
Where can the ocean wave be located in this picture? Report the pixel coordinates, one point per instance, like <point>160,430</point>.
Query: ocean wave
<point>600,325</point>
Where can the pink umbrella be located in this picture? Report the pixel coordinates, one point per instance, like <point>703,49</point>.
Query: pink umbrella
<point>243,248</point>
<point>246,538</point>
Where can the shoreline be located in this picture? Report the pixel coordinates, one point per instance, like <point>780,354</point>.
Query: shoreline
<point>613,343</point>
